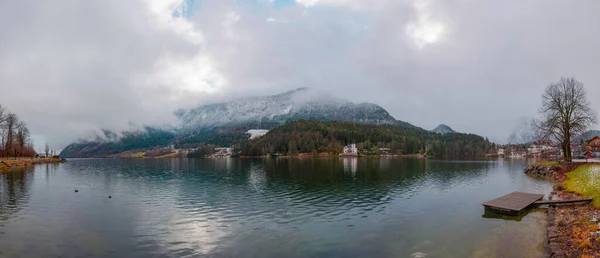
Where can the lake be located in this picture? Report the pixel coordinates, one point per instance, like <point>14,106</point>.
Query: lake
<point>350,207</point>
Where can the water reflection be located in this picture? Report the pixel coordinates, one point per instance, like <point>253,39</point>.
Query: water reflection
<point>15,185</point>
<point>350,165</point>
<point>276,207</point>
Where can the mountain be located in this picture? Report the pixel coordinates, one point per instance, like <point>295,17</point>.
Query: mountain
<point>227,123</point>
<point>298,104</point>
<point>443,129</point>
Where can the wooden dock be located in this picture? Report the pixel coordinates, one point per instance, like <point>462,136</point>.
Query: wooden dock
<point>516,202</point>
<point>512,203</point>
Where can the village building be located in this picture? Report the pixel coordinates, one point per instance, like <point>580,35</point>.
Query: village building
<point>592,147</point>
<point>222,152</point>
<point>350,150</point>
<point>501,152</point>
<point>384,150</point>
<point>593,144</point>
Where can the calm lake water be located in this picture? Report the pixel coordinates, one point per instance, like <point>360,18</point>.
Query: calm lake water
<point>380,207</point>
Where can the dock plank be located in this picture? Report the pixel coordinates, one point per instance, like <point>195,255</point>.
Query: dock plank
<point>513,203</point>
<point>551,202</point>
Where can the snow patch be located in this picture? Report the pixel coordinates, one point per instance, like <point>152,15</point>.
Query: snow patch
<point>255,133</point>
<point>418,255</point>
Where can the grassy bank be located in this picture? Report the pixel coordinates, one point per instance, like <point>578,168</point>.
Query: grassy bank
<point>546,163</point>
<point>585,181</point>
<point>16,163</point>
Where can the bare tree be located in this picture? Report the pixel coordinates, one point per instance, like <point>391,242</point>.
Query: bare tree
<point>10,125</point>
<point>2,114</point>
<point>565,113</point>
<point>2,126</point>
<point>47,150</point>
<point>22,138</point>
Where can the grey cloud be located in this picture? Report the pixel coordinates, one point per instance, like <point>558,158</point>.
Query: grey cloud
<point>72,67</point>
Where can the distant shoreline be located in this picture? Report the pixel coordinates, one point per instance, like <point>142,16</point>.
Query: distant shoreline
<point>26,162</point>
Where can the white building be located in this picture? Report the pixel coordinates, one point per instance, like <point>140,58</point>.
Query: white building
<point>537,148</point>
<point>350,150</point>
<point>222,152</point>
<point>501,152</point>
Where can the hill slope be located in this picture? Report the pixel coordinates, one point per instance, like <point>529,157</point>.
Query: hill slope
<point>306,136</point>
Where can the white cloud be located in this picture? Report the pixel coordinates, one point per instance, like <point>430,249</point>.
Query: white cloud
<point>181,76</point>
<point>353,4</point>
<point>108,63</point>
<point>425,29</point>
<point>170,14</point>
<point>231,18</point>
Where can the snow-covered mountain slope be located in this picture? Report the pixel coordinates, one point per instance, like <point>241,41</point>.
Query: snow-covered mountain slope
<point>298,104</point>
<point>443,129</point>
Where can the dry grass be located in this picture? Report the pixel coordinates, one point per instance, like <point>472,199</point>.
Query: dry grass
<point>169,156</point>
<point>137,154</point>
<point>4,164</point>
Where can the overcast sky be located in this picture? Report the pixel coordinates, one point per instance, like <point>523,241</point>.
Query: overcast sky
<point>68,68</point>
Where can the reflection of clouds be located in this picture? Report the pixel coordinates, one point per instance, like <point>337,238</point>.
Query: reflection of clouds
<point>350,165</point>
<point>181,224</point>
<point>258,178</point>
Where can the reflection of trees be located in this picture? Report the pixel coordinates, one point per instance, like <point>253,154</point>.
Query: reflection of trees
<point>14,191</point>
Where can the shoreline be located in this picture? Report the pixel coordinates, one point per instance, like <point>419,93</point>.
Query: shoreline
<point>24,162</point>
<point>572,230</point>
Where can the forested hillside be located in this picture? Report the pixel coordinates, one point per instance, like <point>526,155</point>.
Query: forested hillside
<point>306,136</point>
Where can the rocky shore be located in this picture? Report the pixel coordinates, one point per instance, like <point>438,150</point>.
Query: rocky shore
<point>546,169</point>
<point>21,162</point>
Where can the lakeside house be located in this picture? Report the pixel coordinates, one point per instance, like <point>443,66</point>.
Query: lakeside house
<point>501,152</point>
<point>350,150</point>
<point>385,150</point>
<point>592,147</point>
<point>222,152</point>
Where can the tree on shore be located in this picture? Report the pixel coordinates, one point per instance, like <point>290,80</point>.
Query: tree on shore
<point>565,113</point>
<point>47,150</point>
<point>10,124</point>
<point>14,135</point>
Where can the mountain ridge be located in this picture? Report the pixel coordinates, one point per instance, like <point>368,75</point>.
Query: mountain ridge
<point>226,123</point>
<point>301,103</point>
